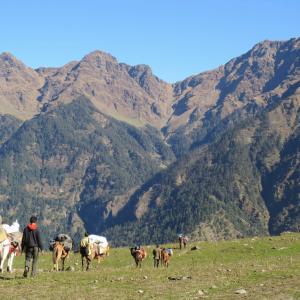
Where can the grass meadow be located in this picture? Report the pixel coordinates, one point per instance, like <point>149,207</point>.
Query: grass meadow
<point>266,268</point>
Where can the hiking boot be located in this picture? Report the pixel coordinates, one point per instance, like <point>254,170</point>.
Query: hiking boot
<point>25,274</point>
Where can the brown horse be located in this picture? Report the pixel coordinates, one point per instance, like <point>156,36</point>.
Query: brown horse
<point>182,241</point>
<point>88,254</point>
<point>165,257</point>
<point>139,255</point>
<point>59,253</point>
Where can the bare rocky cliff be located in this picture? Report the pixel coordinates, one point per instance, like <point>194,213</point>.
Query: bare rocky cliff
<point>19,86</point>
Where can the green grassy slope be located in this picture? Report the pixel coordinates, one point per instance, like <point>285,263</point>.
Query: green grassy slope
<point>267,268</point>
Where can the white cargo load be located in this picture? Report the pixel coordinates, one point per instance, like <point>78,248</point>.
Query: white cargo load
<point>97,239</point>
<point>15,227</point>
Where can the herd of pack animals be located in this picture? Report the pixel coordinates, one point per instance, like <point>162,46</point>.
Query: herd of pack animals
<point>10,246</point>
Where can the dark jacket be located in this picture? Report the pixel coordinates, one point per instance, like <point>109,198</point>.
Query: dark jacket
<point>31,237</point>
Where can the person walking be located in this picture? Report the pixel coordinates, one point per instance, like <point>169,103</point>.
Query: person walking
<point>180,240</point>
<point>156,256</point>
<point>31,244</point>
<point>85,245</point>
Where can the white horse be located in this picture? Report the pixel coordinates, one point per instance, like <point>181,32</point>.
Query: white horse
<point>10,246</point>
<point>7,251</point>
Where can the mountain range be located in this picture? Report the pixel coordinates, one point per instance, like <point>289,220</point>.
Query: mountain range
<point>110,148</point>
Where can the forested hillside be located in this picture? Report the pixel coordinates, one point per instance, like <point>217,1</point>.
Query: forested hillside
<point>110,148</point>
<point>244,183</point>
<point>74,167</point>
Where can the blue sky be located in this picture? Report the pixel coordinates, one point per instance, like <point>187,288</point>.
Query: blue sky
<point>176,38</point>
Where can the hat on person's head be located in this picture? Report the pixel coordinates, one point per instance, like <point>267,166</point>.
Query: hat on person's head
<point>33,219</point>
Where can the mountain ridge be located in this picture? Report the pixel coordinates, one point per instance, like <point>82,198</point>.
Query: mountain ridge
<point>113,149</point>
<point>101,60</point>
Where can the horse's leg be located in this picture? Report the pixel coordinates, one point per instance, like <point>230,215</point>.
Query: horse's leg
<point>63,257</point>
<point>62,263</point>
<point>59,257</point>
<point>54,259</point>
<point>55,265</point>
<point>82,263</point>
<point>88,261</point>
<point>1,257</point>
<point>10,262</point>
<point>1,261</point>
<point>5,251</point>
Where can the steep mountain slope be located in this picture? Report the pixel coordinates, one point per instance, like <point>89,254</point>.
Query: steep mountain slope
<point>243,86</point>
<point>18,88</point>
<point>110,87</point>
<point>72,165</point>
<point>245,183</point>
<point>97,148</point>
<point>8,125</point>
<point>129,93</point>
<point>282,188</point>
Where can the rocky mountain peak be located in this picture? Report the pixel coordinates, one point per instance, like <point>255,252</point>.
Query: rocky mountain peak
<point>137,70</point>
<point>99,58</point>
<point>7,56</point>
<point>8,61</point>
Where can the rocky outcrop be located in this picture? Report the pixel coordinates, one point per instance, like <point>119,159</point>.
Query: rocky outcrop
<point>19,86</point>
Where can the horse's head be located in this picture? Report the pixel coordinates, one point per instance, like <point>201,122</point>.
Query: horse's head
<point>15,244</point>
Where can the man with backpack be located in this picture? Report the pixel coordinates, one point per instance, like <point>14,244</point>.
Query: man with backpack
<point>31,244</point>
